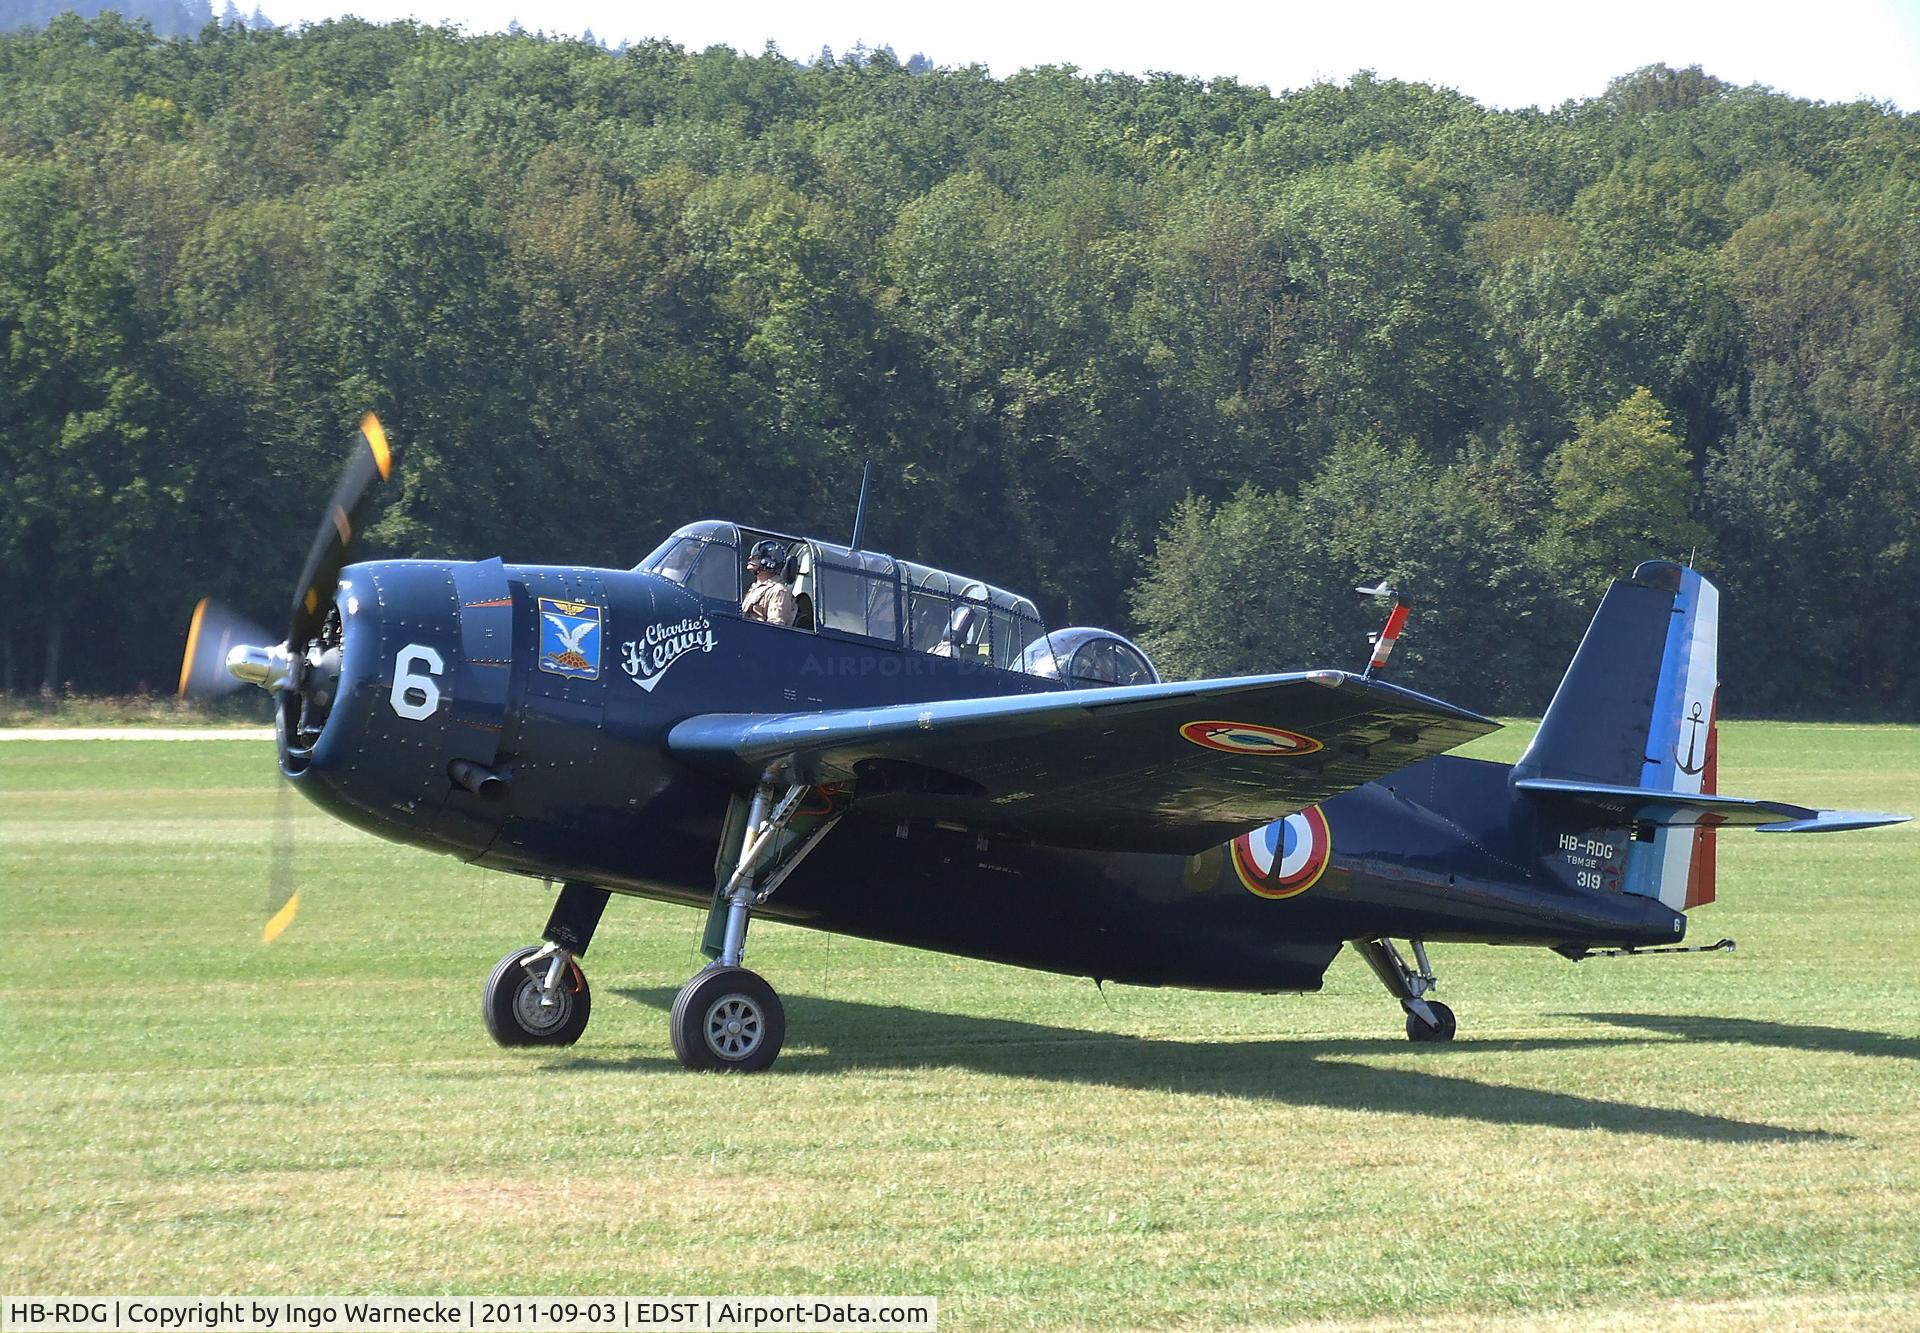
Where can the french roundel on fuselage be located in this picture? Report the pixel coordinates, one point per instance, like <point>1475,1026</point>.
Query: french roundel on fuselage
<point>1285,857</point>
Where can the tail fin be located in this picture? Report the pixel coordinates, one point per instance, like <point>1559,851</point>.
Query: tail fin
<point>1637,710</point>
<point>1624,767</point>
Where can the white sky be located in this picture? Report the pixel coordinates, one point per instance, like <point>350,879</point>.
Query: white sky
<point>1503,53</point>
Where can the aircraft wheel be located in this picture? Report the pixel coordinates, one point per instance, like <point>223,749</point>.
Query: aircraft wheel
<point>728,1018</point>
<point>511,1006</point>
<point>1417,1030</point>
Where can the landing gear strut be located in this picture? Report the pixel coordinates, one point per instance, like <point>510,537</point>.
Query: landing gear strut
<point>538,996</point>
<point>727,1017</point>
<point>1427,1020</point>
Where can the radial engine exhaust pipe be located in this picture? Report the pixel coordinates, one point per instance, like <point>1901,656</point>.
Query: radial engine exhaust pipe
<point>489,783</point>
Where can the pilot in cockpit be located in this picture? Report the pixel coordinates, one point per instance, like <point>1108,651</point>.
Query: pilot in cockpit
<point>963,633</point>
<point>768,599</point>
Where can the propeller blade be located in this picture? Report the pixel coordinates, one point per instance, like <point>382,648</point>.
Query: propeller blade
<point>283,892</point>
<point>213,630</point>
<point>280,920</point>
<point>369,464</point>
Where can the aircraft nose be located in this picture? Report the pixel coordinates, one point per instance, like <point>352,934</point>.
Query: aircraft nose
<point>409,747</point>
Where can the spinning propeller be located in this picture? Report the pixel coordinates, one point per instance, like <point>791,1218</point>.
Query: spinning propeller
<point>226,650</point>
<point>369,461</point>
<point>213,633</point>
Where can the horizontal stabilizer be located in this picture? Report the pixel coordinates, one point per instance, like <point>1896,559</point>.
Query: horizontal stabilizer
<point>1834,821</point>
<point>1646,805</point>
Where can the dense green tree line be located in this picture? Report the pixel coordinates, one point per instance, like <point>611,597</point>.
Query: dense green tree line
<point>1182,356</point>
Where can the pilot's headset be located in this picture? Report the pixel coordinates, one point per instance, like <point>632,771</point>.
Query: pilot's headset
<point>770,556</point>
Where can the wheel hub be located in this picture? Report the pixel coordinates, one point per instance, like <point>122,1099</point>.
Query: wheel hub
<point>537,1017</point>
<point>733,1027</point>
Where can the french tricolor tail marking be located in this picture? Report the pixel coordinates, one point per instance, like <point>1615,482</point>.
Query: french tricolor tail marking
<point>1383,646</point>
<point>1700,880</point>
<point>1682,750</point>
<point>1684,700</point>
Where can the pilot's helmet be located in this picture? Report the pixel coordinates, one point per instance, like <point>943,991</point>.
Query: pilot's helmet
<point>965,625</point>
<point>767,555</point>
<point>968,624</point>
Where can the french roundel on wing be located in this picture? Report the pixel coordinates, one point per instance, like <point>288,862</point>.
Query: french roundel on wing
<point>1286,857</point>
<point>1248,738</point>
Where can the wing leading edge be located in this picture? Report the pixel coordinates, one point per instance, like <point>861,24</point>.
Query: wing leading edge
<point>1168,768</point>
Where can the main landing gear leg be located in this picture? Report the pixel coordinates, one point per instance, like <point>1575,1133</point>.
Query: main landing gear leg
<point>1427,1020</point>
<point>727,1017</point>
<point>538,996</point>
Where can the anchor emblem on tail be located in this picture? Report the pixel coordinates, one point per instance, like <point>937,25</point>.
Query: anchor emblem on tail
<point>1688,765</point>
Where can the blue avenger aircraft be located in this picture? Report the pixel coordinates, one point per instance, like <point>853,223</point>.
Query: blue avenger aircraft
<point>917,759</point>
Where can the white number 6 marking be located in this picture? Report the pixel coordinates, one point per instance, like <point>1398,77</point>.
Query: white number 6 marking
<point>409,681</point>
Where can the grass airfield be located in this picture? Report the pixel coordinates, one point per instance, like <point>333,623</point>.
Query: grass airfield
<point>1723,1141</point>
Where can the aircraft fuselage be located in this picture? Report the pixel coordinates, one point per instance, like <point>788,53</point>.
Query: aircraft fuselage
<point>446,662</point>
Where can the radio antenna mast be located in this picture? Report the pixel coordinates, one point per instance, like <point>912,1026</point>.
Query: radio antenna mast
<point>860,514</point>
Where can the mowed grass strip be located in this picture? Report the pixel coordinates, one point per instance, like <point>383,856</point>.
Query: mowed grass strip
<point>1724,1140</point>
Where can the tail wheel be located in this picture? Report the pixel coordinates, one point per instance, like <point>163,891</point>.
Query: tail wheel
<point>511,1004</point>
<point>728,1018</point>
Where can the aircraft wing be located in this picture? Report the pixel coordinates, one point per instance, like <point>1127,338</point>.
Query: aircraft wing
<point>1168,768</point>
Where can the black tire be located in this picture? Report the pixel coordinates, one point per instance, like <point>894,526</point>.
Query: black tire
<point>510,1004</point>
<point>1417,1029</point>
<point>728,1018</point>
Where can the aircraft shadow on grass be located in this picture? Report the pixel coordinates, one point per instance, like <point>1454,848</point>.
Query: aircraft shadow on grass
<point>1310,1073</point>
<point>1758,1032</point>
